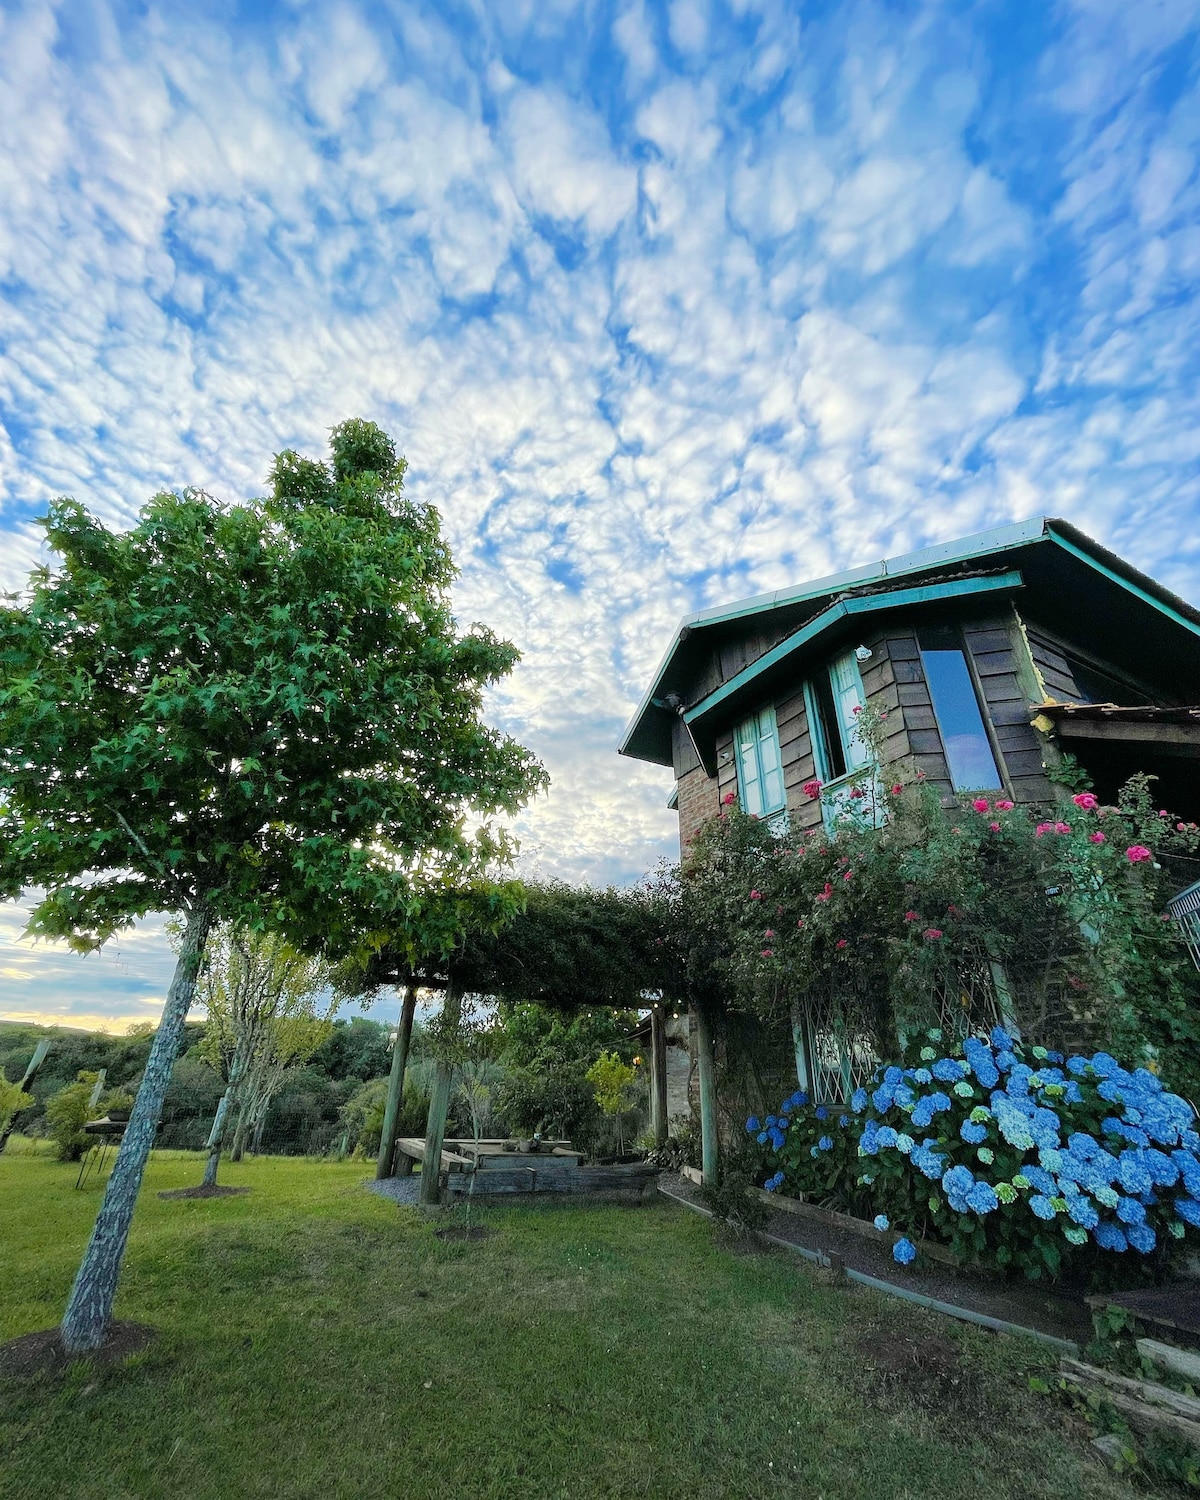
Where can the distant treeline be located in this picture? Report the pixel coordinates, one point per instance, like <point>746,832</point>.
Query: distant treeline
<point>305,1118</point>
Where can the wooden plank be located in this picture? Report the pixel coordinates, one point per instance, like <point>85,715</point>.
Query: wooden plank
<point>903,647</point>
<point>1023,762</point>
<point>1032,789</point>
<point>914,694</point>
<point>1004,687</point>
<point>1016,737</point>
<point>908,671</point>
<point>919,716</point>
<point>415,1147</point>
<point>1182,1362</point>
<point>1013,711</point>
<point>987,638</point>
<point>1118,730</point>
<point>993,663</point>
<point>925,742</point>
<point>1144,1392</point>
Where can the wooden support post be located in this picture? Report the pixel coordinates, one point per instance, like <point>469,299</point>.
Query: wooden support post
<point>710,1152</point>
<point>439,1104</point>
<point>658,1075</point>
<point>385,1165</point>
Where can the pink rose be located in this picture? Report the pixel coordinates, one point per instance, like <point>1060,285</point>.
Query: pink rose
<point>841,943</point>
<point>1086,800</point>
<point>1043,828</point>
<point>1004,805</point>
<point>995,827</point>
<point>857,709</point>
<point>849,875</point>
<point>800,923</point>
<point>1062,827</point>
<point>770,932</point>
<point>812,788</point>
<point>729,798</point>
<point>767,953</point>
<point>931,934</point>
<point>1137,854</point>
<point>912,916</point>
<point>826,893</point>
<point>857,791</point>
<point>756,895</point>
<point>897,789</point>
<point>981,804</point>
<point>1096,838</point>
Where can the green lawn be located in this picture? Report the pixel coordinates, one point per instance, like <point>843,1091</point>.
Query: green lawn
<point>318,1341</point>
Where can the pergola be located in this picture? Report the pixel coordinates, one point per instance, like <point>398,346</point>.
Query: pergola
<point>568,949</point>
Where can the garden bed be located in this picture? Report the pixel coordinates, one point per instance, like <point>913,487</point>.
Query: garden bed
<point>1043,1311</point>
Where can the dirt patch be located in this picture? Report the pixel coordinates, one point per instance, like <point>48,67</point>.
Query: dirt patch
<point>215,1190</point>
<point>921,1373</point>
<point>42,1353</point>
<point>460,1232</point>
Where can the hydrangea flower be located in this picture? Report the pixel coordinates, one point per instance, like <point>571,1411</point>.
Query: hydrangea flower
<point>1110,1236</point>
<point>982,1198</point>
<point>773,1184</point>
<point>904,1252</point>
<point>825,1143</point>
<point>1042,1206</point>
<point>752,1125</point>
<point>881,1221</point>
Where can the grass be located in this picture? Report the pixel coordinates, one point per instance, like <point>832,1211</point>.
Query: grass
<point>319,1341</point>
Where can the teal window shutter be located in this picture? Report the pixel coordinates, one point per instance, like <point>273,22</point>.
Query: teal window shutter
<point>759,764</point>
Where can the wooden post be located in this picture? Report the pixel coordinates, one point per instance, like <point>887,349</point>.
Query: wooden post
<point>385,1165</point>
<point>710,1151</point>
<point>658,1075</point>
<point>439,1104</point>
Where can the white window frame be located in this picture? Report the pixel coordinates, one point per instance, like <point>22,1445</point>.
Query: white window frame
<point>845,684</point>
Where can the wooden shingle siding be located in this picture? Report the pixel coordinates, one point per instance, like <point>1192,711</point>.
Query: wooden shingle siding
<point>1005,675</point>
<point>1052,666</point>
<point>683,752</point>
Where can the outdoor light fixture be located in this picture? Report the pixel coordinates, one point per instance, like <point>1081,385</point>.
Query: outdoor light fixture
<point>862,653</point>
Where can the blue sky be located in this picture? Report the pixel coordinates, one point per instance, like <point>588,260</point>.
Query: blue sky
<point>666,303</point>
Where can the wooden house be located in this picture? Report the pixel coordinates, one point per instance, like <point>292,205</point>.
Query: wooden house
<point>992,655</point>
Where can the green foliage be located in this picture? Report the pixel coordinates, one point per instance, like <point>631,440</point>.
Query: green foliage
<point>362,1114</point>
<point>558,1103</point>
<point>13,1099</point>
<point>612,1082</point>
<point>67,1113</point>
<point>266,708</point>
<point>899,914</point>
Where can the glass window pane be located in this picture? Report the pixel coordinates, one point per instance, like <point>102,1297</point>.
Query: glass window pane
<point>968,750</point>
<point>747,764</point>
<point>847,692</point>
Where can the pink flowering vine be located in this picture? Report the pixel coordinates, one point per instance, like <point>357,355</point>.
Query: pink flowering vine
<point>770,932</point>
<point>981,805</point>
<point>756,895</point>
<point>1096,838</point>
<point>729,798</point>
<point>931,934</point>
<point>897,789</point>
<point>826,893</point>
<point>995,827</point>
<point>912,916</point>
<point>812,788</point>
<point>1004,805</point>
<point>1086,800</point>
<point>1137,854</point>
<point>841,943</point>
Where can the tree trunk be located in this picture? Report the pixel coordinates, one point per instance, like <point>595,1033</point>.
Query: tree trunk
<point>709,1149</point>
<point>217,1134</point>
<point>658,1075</point>
<point>439,1103</point>
<point>391,1114</point>
<point>91,1299</point>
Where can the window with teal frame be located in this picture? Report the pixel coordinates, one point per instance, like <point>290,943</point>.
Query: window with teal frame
<point>759,767</point>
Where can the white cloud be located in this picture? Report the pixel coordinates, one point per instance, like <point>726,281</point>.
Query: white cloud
<point>650,339</point>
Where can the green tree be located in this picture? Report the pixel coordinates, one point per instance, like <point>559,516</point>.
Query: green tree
<point>13,1099</point>
<point>253,984</point>
<point>261,713</point>
<point>612,1080</point>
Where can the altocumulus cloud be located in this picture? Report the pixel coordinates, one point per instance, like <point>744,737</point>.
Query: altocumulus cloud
<point>667,303</point>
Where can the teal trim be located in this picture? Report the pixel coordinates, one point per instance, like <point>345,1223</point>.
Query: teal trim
<point>845,609</point>
<point>1126,583</point>
<point>816,733</point>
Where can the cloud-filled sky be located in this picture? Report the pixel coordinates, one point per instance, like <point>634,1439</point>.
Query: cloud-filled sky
<point>666,303</point>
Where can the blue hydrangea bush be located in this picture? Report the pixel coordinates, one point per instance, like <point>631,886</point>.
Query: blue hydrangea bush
<point>1014,1157</point>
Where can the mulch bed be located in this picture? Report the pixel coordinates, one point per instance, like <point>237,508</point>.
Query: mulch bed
<point>214,1190</point>
<point>1056,1310</point>
<point>42,1353</point>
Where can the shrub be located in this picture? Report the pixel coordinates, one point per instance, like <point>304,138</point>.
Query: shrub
<point>67,1113</point>
<point>13,1100</point>
<point>1019,1158</point>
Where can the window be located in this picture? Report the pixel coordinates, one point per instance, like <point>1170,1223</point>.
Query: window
<point>831,699</point>
<point>759,768</point>
<point>956,709</point>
